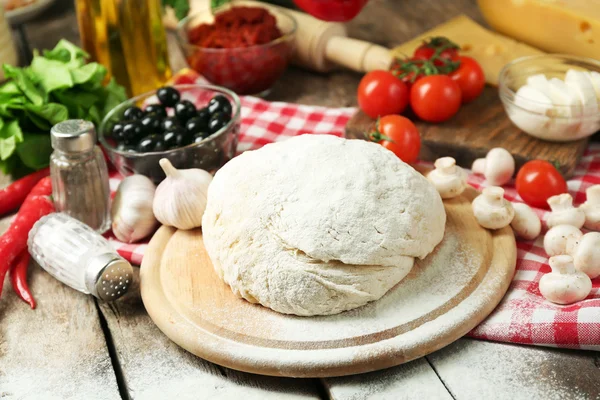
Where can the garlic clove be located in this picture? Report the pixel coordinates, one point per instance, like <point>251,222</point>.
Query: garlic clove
<point>526,224</point>
<point>131,210</point>
<point>561,239</point>
<point>449,179</point>
<point>563,212</point>
<point>586,255</point>
<point>591,208</point>
<point>180,199</point>
<point>564,285</point>
<point>491,210</point>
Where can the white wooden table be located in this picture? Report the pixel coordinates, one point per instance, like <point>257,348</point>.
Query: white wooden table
<point>72,347</point>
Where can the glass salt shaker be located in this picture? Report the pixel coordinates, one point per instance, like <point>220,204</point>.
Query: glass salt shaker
<point>79,174</point>
<point>80,258</point>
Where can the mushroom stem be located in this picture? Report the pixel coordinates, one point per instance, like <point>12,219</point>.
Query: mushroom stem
<point>561,202</point>
<point>494,195</point>
<point>562,264</point>
<point>446,165</point>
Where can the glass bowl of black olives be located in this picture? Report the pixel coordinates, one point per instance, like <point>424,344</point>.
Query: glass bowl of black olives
<point>194,126</point>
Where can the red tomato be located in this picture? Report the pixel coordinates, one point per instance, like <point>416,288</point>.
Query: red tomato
<point>428,49</point>
<point>381,93</point>
<point>399,135</point>
<point>435,98</point>
<point>332,10</point>
<point>470,78</point>
<point>539,180</point>
<point>409,77</point>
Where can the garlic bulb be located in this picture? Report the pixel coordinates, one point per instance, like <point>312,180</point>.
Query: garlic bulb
<point>180,199</point>
<point>131,212</point>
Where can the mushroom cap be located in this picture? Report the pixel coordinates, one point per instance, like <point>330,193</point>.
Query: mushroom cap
<point>449,179</point>
<point>563,212</point>
<point>591,208</point>
<point>586,256</point>
<point>498,168</point>
<point>526,224</point>
<point>491,210</point>
<point>561,239</point>
<point>564,285</point>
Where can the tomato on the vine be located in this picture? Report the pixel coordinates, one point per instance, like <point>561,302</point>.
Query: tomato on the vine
<point>440,48</point>
<point>381,93</point>
<point>539,180</point>
<point>435,98</point>
<point>470,78</point>
<point>399,135</point>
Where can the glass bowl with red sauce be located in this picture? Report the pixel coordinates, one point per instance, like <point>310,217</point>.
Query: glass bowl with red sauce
<point>245,49</point>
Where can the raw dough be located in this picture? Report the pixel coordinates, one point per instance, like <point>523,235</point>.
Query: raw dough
<point>317,225</point>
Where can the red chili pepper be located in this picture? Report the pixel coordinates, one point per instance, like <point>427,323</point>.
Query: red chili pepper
<point>14,240</point>
<point>18,278</point>
<point>12,196</point>
<point>332,10</point>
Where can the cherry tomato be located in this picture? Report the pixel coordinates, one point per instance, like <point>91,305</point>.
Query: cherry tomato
<point>408,77</point>
<point>435,98</point>
<point>399,135</point>
<point>332,10</point>
<point>381,93</point>
<point>539,180</point>
<point>470,78</point>
<point>428,49</point>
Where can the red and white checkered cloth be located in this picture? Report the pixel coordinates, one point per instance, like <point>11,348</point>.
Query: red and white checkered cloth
<point>523,316</point>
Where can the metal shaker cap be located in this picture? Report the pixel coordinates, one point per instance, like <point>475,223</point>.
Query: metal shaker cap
<point>108,277</point>
<point>73,136</point>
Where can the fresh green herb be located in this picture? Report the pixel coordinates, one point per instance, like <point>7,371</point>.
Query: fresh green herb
<point>218,3</point>
<point>58,85</point>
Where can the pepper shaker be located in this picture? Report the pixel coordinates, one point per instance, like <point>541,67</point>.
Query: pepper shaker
<point>80,258</point>
<point>79,174</point>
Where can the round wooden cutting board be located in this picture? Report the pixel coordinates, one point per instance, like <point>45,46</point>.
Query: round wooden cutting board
<point>442,298</point>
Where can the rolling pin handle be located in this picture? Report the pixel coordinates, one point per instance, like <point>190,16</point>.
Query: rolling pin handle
<point>357,55</point>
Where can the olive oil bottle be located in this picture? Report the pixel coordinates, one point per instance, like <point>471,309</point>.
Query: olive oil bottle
<point>128,38</point>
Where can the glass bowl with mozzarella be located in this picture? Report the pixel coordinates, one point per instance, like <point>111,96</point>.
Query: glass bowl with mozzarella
<point>553,97</point>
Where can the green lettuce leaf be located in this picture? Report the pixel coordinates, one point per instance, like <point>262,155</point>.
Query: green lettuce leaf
<point>35,150</point>
<point>52,74</point>
<point>33,93</point>
<point>10,136</point>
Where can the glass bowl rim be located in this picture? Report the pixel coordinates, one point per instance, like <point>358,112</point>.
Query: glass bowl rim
<point>235,118</point>
<point>184,42</point>
<point>507,94</point>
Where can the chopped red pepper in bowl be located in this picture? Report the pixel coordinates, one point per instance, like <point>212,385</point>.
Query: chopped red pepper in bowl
<point>245,49</point>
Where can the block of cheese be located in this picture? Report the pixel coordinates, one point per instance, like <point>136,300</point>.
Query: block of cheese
<point>555,26</point>
<point>493,51</point>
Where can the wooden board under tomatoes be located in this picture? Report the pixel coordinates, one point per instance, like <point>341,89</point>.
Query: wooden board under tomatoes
<point>443,92</point>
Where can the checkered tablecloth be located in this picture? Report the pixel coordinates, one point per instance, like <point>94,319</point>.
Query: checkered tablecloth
<point>523,316</point>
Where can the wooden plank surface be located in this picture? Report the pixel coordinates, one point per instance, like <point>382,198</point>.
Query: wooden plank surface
<point>56,351</point>
<point>152,365</point>
<point>388,22</point>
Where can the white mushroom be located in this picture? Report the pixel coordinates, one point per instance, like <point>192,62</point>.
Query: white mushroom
<point>564,285</point>
<point>561,239</point>
<point>563,212</point>
<point>498,166</point>
<point>449,179</point>
<point>591,208</point>
<point>491,210</point>
<point>586,255</point>
<point>526,224</point>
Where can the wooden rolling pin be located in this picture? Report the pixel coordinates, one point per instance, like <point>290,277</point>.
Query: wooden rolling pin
<point>321,46</point>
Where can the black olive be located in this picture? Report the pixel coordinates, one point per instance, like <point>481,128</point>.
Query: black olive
<point>217,121</point>
<point>151,143</point>
<point>199,137</point>
<point>132,132</point>
<point>184,110</point>
<point>168,96</point>
<point>152,123</point>
<point>117,131</point>
<point>204,115</point>
<point>132,113</point>
<point>220,103</point>
<point>156,109</point>
<point>169,123</point>
<point>195,125</point>
<point>175,138</point>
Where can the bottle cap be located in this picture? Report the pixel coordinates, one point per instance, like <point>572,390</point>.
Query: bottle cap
<point>108,277</point>
<point>73,136</point>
